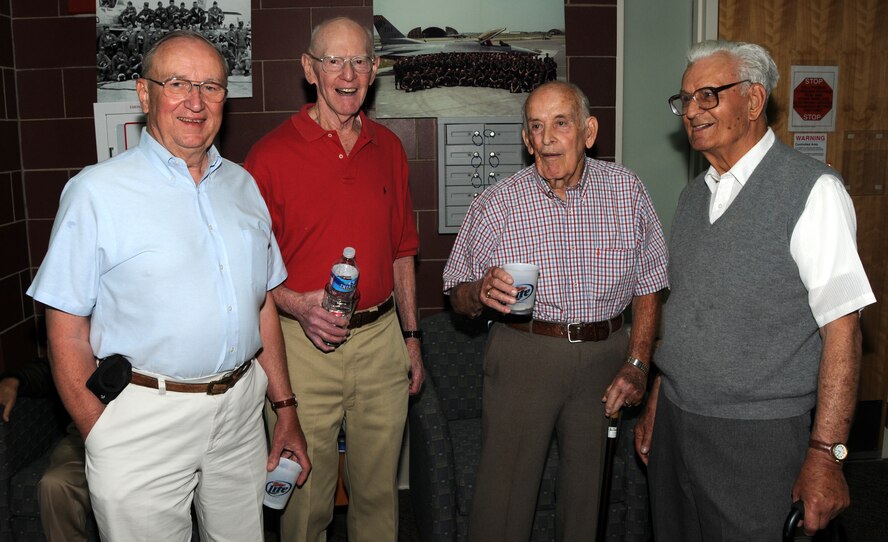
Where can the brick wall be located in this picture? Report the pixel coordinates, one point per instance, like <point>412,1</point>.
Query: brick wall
<point>48,88</point>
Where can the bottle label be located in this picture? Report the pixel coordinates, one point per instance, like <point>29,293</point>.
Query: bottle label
<point>344,278</point>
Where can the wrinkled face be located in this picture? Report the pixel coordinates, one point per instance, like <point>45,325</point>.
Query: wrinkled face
<point>184,126</point>
<point>724,127</point>
<point>342,93</point>
<point>556,136</point>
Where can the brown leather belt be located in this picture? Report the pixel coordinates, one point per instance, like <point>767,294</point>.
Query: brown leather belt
<point>369,316</point>
<point>215,387</point>
<point>576,332</point>
<point>364,317</point>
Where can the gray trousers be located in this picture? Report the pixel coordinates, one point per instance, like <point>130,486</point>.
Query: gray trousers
<point>533,386</point>
<point>721,480</point>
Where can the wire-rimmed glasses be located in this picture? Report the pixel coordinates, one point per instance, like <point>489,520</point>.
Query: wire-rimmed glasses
<point>175,87</point>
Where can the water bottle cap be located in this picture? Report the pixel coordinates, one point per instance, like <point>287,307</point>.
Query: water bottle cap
<point>348,252</point>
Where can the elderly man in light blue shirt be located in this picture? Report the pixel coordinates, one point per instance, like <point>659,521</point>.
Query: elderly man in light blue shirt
<point>164,255</point>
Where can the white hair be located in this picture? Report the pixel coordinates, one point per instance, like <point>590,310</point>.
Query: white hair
<point>753,61</point>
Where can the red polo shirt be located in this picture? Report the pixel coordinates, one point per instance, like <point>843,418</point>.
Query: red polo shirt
<point>322,200</point>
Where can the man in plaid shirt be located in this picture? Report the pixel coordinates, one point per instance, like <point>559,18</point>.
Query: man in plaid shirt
<point>593,232</point>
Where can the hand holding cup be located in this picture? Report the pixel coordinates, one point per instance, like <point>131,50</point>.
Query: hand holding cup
<point>510,288</point>
<point>524,277</point>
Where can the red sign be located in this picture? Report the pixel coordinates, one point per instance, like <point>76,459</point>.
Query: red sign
<point>812,99</point>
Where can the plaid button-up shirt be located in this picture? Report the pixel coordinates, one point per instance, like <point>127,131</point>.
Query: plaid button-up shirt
<point>596,250</point>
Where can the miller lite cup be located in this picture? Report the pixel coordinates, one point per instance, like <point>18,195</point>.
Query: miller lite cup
<point>525,277</point>
<point>279,483</point>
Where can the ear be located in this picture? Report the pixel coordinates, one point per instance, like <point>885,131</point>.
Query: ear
<point>591,131</point>
<point>526,141</point>
<point>142,91</point>
<point>757,99</point>
<point>374,70</point>
<point>309,71</point>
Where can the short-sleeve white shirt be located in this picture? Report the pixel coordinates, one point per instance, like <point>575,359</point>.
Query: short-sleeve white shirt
<point>823,243</point>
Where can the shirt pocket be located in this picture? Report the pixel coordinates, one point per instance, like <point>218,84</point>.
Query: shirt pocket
<point>612,271</point>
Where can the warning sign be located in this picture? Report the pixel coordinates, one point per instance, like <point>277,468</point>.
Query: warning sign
<point>813,98</point>
<point>814,145</point>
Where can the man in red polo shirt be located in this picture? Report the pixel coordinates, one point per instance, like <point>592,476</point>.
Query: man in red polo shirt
<point>334,178</point>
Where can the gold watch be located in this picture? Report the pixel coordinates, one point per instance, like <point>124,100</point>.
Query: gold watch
<point>837,451</point>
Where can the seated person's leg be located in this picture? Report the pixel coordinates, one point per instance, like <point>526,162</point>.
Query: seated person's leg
<point>62,492</point>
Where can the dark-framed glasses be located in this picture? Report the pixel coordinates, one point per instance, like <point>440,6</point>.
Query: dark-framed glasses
<point>334,64</point>
<point>174,87</point>
<point>706,98</point>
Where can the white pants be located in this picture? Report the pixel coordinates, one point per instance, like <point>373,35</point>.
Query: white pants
<point>150,455</point>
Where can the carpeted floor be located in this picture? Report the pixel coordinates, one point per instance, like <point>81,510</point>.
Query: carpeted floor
<point>865,521</point>
<point>337,530</point>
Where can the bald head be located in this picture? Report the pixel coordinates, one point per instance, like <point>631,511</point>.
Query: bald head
<point>171,39</point>
<point>333,27</point>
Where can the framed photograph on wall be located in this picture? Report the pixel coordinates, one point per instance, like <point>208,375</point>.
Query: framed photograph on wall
<point>464,58</point>
<point>126,30</point>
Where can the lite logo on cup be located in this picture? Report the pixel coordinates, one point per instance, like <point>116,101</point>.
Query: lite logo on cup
<point>279,483</point>
<point>524,291</point>
<point>277,487</point>
<point>525,276</point>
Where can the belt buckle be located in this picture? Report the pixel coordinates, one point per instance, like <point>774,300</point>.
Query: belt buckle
<point>223,384</point>
<point>569,335</point>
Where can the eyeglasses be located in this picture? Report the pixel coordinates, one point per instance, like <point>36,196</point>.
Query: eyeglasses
<point>706,98</point>
<point>335,64</point>
<point>174,87</point>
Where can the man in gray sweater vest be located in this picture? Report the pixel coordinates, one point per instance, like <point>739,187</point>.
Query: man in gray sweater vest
<point>761,325</point>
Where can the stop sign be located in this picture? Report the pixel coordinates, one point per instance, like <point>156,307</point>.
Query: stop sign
<point>812,99</point>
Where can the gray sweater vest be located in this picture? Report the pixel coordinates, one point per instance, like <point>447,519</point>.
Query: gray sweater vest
<point>739,339</point>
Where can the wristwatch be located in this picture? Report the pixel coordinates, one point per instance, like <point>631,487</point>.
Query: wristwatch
<point>838,451</point>
<point>638,364</point>
<point>412,334</point>
<point>285,403</point>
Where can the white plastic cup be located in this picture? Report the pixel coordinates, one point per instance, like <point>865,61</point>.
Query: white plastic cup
<point>525,276</point>
<point>280,482</point>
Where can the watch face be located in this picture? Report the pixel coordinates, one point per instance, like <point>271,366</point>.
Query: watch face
<point>840,451</point>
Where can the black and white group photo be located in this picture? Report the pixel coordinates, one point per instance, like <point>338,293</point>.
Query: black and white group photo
<point>126,30</point>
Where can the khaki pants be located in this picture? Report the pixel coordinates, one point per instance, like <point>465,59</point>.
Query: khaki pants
<point>362,384</point>
<point>62,491</point>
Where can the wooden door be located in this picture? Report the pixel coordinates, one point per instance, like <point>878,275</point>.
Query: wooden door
<point>853,35</point>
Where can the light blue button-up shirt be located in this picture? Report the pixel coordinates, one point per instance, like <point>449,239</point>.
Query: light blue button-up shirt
<point>171,273</point>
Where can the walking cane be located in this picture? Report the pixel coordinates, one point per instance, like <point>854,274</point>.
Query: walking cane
<point>832,533</point>
<point>604,498</point>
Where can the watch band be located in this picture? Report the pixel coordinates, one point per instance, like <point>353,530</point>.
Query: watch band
<point>285,403</point>
<point>838,452</point>
<point>637,363</point>
<point>412,334</point>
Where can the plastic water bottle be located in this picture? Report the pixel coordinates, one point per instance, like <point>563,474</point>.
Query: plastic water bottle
<point>339,296</point>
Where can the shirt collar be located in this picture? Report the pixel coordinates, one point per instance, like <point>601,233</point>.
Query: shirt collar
<point>312,131</point>
<point>580,186</point>
<point>162,158</point>
<point>742,170</point>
